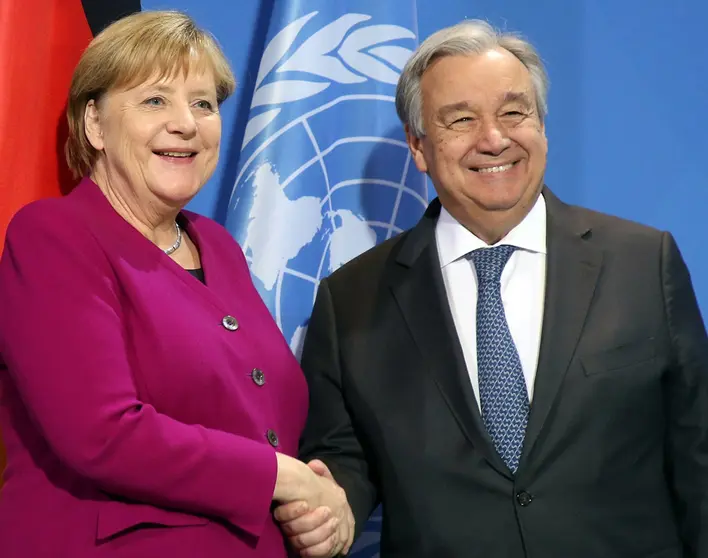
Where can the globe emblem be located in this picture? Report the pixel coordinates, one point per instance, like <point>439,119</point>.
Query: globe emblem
<point>325,171</point>
<point>316,200</point>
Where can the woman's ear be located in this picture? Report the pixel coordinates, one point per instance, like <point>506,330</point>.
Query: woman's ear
<point>92,125</point>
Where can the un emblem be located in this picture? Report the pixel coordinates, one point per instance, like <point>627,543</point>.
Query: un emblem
<point>325,172</point>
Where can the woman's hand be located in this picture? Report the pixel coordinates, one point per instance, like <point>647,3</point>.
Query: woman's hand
<point>314,511</point>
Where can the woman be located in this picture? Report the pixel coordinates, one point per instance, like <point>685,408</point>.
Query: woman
<point>149,405</point>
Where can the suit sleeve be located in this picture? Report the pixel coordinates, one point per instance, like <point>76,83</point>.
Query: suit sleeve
<point>63,342</point>
<point>330,434</point>
<point>687,402</point>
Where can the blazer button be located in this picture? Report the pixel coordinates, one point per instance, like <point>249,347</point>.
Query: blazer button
<point>272,438</point>
<point>258,376</point>
<point>230,323</point>
<point>524,498</point>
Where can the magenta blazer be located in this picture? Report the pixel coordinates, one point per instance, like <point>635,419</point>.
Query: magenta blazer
<point>141,409</point>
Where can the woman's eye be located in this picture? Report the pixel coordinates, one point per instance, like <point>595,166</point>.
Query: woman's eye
<point>154,101</point>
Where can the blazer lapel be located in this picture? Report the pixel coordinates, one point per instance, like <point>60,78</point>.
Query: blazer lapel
<point>572,270</point>
<point>417,285</point>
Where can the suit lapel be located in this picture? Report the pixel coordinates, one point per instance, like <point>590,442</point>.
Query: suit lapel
<point>417,285</point>
<point>572,269</point>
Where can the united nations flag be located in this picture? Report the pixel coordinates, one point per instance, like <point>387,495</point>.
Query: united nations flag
<point>324,172</point>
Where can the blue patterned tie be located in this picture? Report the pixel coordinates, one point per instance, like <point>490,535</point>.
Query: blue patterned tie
<point>502,388</point>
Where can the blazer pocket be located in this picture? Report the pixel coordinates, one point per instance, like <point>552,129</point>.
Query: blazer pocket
<point>617,358</point>
<point>115,517</point>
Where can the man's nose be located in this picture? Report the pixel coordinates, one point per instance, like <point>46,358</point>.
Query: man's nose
<point>493,138</point>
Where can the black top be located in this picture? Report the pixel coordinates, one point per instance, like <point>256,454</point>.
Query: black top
<point>198,273</point>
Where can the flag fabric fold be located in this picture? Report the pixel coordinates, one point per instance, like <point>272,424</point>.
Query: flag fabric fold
<point>40,43</point>
<point>325,172</point>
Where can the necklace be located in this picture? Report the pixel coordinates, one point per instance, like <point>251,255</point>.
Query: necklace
<point>177,243</point>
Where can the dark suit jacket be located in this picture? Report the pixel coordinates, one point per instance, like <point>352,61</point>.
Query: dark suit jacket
<point>615,460</point>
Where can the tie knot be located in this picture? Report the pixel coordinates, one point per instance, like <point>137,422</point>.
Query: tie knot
<point>489,262</point>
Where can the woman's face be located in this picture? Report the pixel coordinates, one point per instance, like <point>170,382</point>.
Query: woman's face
<point>159,141</point>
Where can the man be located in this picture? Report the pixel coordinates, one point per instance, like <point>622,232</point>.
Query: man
<point>513,377</point>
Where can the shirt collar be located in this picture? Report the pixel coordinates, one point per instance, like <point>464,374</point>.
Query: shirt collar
<point>455,241</point>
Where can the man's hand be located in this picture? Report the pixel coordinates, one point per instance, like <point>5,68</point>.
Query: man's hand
<point>322,525</point>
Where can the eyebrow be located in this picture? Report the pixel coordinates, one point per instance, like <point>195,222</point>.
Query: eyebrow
<point>517,97</point>
<point>454,107</point>
<point>509,97</point>
<point>168,89</point>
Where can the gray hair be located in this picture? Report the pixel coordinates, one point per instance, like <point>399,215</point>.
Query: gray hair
<point>470,37</point>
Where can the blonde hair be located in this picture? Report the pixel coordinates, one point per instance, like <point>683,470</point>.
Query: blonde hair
<point>129,52</point>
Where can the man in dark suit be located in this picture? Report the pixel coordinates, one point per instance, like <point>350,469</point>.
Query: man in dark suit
<point>513,377</point>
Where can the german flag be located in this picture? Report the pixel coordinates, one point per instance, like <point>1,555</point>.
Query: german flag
<point>40,43</point>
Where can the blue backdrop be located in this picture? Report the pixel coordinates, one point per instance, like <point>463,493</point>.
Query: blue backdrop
<point>626,124</point>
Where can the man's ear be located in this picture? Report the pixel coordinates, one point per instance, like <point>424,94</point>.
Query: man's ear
<point>93,126</point>
<point>416,147</point>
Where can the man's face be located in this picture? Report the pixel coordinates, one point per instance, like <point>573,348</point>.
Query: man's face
<point>484,145</point>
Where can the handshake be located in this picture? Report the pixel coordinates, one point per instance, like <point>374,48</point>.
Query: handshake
<point>312,510</point>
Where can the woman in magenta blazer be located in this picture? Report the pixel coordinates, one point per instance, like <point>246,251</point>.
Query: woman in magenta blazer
<point>149,404</point>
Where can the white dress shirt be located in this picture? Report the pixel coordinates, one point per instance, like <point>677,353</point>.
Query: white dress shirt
<point>523,284</point>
